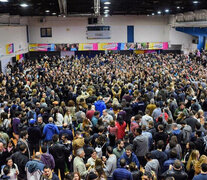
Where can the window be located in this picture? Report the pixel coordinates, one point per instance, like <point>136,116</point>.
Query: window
<point>46,32</point>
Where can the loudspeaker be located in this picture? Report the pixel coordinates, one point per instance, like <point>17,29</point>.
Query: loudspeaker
<point>92,20</point>
<point>14,59</point>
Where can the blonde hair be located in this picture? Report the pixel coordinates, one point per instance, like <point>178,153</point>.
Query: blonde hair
<point>192,159</point>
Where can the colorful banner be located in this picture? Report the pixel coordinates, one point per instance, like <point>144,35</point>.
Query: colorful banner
<point>19,57</point>
<point>107,46</point>
<point>42,47</point>
<point>10,48</point>
<point>66,47</point>
<point>97,46</point>
<point>88,47</point>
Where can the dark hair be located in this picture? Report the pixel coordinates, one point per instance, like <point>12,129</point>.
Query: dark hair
<point>160,144</point>
<point>122,162</point>
<point>23,133</point>
<point>177,164</point>
<point>148,155</point>
<point>44,149</point>
<point>109,149</point>
<point>46,167</point>
<point>139,130</point>
<point>161,127</point>
<point>9,158</point>
<point>173,153</point>
<point>199,133</point>
<point>55,138</point>
<point>204,167</point>
<point>129,147</point>
<point>6,170</point>
<point>22,147</point>
<point>96,113</point>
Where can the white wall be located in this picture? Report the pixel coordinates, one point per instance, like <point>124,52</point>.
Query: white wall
<point>16,35</point>
<point>73,29</point>
<point>176,37</point>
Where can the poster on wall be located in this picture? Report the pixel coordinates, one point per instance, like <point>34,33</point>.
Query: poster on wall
<point>10,48</point>
<point>107,46</point>
<point>42,47</point>
<point>19,57</point>
<point>66,47</point>
<point>88,47</point>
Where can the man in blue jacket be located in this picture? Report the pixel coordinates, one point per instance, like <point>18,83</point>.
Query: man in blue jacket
<point>122,173</point>
<point>100,105</point>
<point>49,130</point>
<point>129,156</point>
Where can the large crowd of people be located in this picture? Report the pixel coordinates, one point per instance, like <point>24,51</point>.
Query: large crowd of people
<point>111,117</point>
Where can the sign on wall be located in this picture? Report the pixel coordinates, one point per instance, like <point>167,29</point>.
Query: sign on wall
<point>9,48</point>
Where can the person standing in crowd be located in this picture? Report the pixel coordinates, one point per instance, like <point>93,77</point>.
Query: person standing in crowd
<point>34,167</point>
<point>59,153</point>
<point>48,174</point>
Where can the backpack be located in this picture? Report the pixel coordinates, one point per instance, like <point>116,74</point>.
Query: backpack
<point>98,150</point>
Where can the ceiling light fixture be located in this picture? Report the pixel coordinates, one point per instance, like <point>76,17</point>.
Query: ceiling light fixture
<point>24,5</point>
<point>153,14</point>
<point>107,2</point>
<point>159,12</point>
<point>3,0</point>
<point>195,2</point>
<point>106,15</point>
<point>106,12</point>
<point>167,10</point>
<point>178,7</point>
<point>105,7</point>
<point>47,11</point>
<point>54,13</point>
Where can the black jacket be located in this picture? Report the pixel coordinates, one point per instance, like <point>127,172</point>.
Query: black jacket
<point>177,174</point>
<point>59,152</point>
<point>20,160</point>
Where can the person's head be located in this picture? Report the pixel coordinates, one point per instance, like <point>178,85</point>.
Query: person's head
<point>109,150</point>
<point>160,128</point>
<point>76,176</point>
<point>120,144</point>
<point>122,163</point>
<point>173,153</point>
<point>6,170</point>
<point>105,112</point>
<point>78,134</point>
<point>40,120</point>
<point>9,162</point>
<point>50,120</point>
<point>148,156</point>
<point>129,150</point>
<point>55,138</point>
<point>151,124</point>
<point>23,148</point>
<point>37,156</point>
<point>24,134</point>
<point>182,105</point>
<point>177,165</point>
<point>80,152</point>
<point>160,144</point>
<point>204,168</point>
<point>99,162</point>
<point>47,171</point>
<point>138,131</point>
<point>92,176</point>
<point>94,154</point>
<point>147,176</point>
<point>44,149</point>
<point>97,114</point>
<point>194,156</point>
<point>112,123</point>
<point>132,166</point>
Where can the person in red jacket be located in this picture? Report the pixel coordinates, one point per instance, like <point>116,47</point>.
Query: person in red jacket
<point>121,125</point>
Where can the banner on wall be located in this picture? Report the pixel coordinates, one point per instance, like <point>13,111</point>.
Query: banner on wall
<point>19,57</point>
<point>10,48</point>
<point>107,46</point>
<point>88,47</point>
<point>98,46</point>
<point>42,47</point>
<point>66,47</point>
